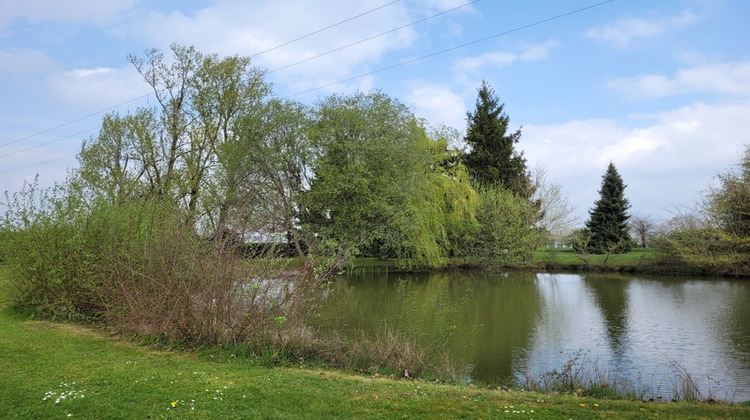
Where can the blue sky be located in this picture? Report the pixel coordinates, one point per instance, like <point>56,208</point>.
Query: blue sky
<point>662,89</point>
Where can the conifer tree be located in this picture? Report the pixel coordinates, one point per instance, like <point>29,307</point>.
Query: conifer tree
<point>607,228</point>
<point>493,159</point>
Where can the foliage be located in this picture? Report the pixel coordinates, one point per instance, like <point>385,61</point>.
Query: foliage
<point>728,204</point>
<point>493,159</point>
<point>135,267</point>
<point>365,173</point>
<point>607,229</point>
<point>703,250</point>
<point>172,150</point>
<point>263,173</point>
<point>48,258</point>
<point>381,186</point>
<point>717,240</point>
<point>173,225</point>
<point>505,232</point>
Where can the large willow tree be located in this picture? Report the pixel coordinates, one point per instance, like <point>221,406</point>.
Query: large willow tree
<point>381,187</point>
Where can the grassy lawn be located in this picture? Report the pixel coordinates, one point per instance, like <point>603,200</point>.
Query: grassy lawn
<point>568,258</point>
<point>54,370</point>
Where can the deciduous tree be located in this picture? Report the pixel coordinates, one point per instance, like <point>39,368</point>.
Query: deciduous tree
<point>174,149</point>
<point>381,186</point>
<point>728,204</point>
<point>643,227</point>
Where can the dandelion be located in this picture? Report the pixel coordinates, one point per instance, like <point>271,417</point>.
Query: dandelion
<point>596,405</point>
<point>173,403</point>
<point>582,405</point>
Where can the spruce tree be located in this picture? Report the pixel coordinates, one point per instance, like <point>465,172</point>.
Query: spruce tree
<point>607,228</point>
<point>493,159</point>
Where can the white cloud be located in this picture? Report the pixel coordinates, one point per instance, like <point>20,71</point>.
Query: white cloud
<point>499,59</point>
<point>726,78</point>
<point>97,12</point>
<point>250,28</point>
<point>664,163</point>
<point>438,104</point>
<point>97,87</point>
<point>623,32</point>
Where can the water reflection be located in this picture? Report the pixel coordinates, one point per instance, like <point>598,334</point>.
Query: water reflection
<point>611,296</point>
<point>518,322</point>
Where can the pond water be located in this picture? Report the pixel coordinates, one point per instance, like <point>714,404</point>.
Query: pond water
<point>647,331</point>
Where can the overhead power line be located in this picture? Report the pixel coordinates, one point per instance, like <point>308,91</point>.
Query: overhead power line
<point>255,55</point>
<point>37,164</point>
<point>73,121</point>
<point>47,143</point>
<point>374,36</point>
<point>325,29</point>
<point>516,29</point>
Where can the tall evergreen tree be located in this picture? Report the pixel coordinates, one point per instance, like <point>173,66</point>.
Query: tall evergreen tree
<point>607,228</point>
<point>493,159</point>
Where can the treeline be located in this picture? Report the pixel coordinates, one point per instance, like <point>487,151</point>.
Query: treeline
<point>354,175</point>
<point>180,217</point>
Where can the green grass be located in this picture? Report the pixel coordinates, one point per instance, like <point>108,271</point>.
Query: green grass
<point>568,258</point>
<point>53,370</point>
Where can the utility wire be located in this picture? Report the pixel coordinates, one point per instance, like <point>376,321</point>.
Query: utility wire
<point>325,29</point>
<point>146,96</point>
<point>516,29</point>
<point>37,164</point>
<point>49,142</point>
<point>374,36</point>
<point>73,121</point>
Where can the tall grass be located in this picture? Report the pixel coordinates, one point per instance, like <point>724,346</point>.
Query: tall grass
<point>582,376</point>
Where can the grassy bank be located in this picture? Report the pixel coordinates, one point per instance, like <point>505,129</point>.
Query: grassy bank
<point>636,259</point>
<point>54,370</point>
<point>544,259</point>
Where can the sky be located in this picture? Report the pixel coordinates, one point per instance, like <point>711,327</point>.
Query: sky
<point>660,89</point>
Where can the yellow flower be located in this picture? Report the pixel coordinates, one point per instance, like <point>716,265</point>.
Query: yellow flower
<point>582,405</point>
<point>596,405</point>
<point>173,403</point>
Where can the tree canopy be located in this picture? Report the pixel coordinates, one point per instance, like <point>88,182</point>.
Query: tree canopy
<point>728,204</point>
<point>354,175</point>
<point>493,159</point>
<point>381,186</point>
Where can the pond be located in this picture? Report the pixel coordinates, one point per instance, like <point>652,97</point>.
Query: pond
<point>648,331</point>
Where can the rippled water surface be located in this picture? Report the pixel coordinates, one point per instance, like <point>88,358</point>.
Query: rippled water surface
<point>648,331</point>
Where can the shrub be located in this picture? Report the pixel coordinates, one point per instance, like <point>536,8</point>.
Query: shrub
<point>135,266</point>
